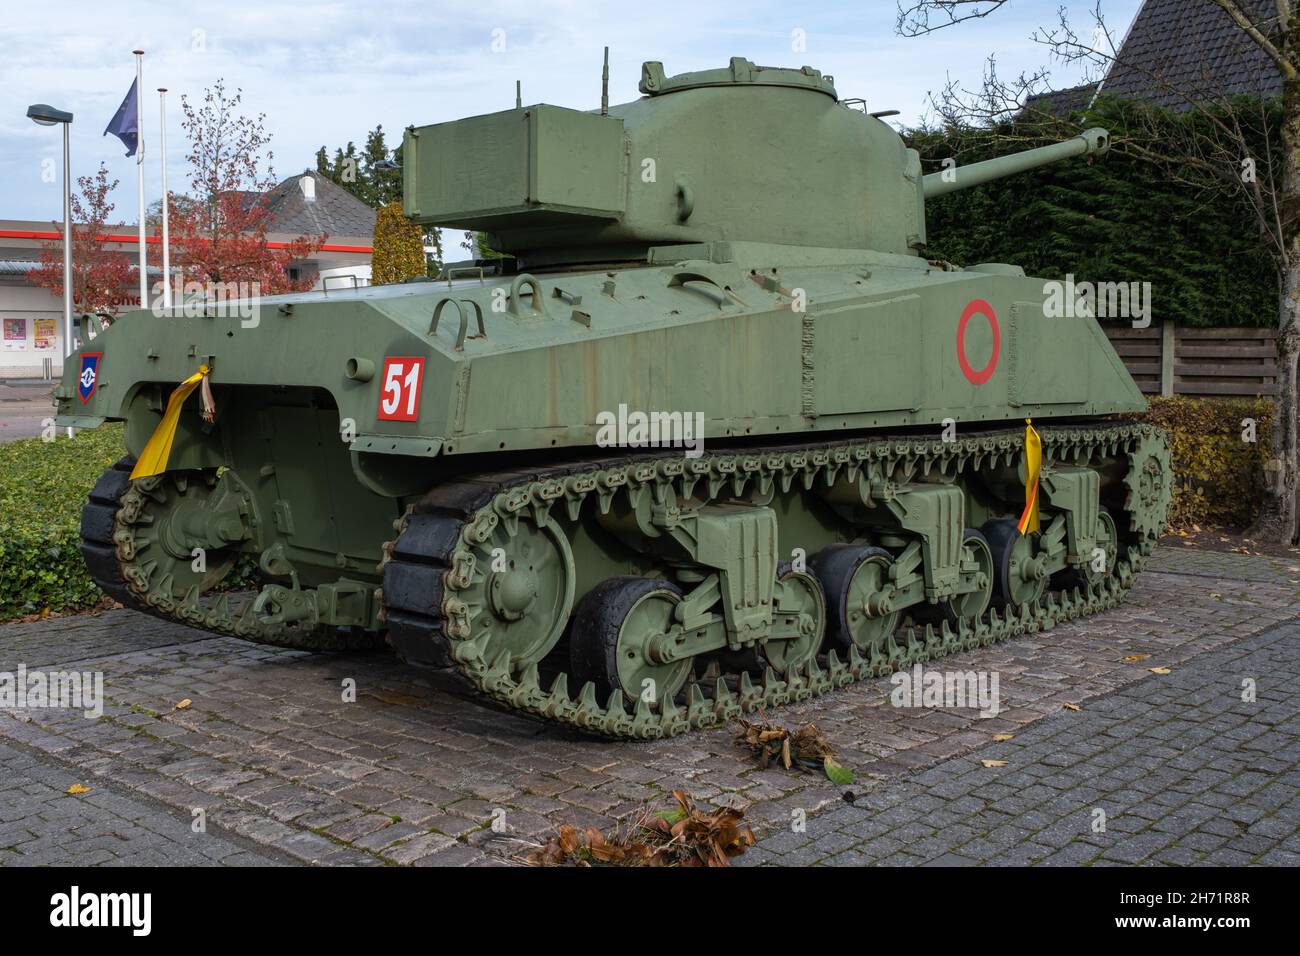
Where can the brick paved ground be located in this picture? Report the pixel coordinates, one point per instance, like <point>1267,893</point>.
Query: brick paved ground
<point>409,774</point>
<point>41,822</point>
<point>1183,769</point>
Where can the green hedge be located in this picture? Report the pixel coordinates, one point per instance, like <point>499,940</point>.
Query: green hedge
<point>1110,219</point>
<point>42,488</point>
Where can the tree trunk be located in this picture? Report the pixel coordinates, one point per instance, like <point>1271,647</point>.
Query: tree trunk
<point>1281,518</point>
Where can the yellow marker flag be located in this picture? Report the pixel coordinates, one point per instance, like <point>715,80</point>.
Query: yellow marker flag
<point>1033,465</point>
<point>153,460</point>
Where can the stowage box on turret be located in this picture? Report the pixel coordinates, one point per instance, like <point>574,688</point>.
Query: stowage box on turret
<point>714,436</point>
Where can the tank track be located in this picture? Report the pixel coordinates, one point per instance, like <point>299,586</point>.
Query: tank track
<point>431,561</point>
<point>115,507</point>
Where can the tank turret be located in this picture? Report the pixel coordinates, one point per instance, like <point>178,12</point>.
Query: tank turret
<point>747,153</point>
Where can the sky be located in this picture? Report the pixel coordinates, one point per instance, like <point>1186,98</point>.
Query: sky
<point>325,73</point>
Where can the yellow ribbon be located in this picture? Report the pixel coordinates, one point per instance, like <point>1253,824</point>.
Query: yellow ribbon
<point>153,460</point>
<point>1033,465</point>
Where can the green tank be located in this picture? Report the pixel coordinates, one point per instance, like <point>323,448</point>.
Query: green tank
<point>715,435</point>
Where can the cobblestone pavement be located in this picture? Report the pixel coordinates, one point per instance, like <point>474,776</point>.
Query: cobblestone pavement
<point>281,763</point>
<point>108,826</point>
<point>1176,769</point>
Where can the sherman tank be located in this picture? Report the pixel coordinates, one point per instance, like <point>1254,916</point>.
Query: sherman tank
<point>714,435</point>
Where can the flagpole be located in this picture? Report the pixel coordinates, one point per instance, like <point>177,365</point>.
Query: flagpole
<point>139,166</point>
<point>162,150</point>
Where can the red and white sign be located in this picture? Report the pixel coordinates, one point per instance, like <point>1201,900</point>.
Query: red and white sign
<point>400,399</point>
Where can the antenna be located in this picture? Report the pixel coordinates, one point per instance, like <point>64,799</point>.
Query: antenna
<point>519,96</point>
<point>604,86</point>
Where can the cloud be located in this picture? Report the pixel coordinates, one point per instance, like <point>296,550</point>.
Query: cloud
<point>326,73</point>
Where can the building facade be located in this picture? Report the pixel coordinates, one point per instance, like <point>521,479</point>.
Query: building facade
<point>31,317</point>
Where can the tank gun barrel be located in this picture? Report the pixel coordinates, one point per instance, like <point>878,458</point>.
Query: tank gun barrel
<point>1089,142</point>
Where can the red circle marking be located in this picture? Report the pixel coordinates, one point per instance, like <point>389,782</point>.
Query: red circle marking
<point>978,307</point>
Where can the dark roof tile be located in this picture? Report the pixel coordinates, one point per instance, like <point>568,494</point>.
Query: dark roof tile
<point>334,211</point>
<point>1193,46</point>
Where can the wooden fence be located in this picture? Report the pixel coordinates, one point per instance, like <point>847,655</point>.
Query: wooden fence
<point>1171,360</point>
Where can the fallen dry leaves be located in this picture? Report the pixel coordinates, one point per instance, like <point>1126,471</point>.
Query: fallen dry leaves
<point>806,747</point>
<point>683,836</point>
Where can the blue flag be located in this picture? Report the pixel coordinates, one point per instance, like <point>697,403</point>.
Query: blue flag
<point>123,124</point>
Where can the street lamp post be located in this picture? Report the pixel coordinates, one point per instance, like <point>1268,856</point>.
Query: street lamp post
<point>166,243</point>
<point>48,116</point>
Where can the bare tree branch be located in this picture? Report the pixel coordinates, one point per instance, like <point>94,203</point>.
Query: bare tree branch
<point>914,19</point>
<point>1207,159</point>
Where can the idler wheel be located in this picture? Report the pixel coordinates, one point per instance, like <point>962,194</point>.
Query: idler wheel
<point>859,595</point>
<point>176,532</point>
<point>522,589</point>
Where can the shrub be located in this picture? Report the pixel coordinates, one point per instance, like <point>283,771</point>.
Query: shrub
<point>1203,250</point>
<point>42,488</point>
<point>399,247</point>
<point>1218,475</point>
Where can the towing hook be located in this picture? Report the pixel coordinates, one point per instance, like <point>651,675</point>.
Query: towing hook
<point>277,604</point>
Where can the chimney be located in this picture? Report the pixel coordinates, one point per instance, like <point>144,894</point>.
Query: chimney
<point>307,183</point>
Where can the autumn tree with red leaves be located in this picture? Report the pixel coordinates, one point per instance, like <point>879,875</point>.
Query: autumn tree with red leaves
<point>100,276</point>
<point>218,234</point>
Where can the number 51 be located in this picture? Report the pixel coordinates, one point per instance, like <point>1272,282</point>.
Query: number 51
<point>400,401</point>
